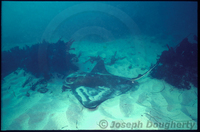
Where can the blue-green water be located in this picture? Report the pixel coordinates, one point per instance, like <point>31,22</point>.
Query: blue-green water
<point>26,22</point>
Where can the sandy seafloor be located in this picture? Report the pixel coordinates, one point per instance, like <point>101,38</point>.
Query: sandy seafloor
<point>153,104</point>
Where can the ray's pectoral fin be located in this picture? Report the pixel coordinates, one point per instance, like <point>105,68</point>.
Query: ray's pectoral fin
<point>100,67</point>
<point>140,76</point>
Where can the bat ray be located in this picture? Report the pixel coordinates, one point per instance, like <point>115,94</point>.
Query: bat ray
<point>91,89</point>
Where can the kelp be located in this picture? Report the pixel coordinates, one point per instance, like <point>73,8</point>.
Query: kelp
<point>178,66</point>
<point>40,59</point>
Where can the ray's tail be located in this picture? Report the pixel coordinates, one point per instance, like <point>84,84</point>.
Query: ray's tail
<point>140,76</point>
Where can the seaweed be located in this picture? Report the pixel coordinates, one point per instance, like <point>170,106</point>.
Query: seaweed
<point>27,81</point>
<point>98,58</point>
<point>76,58</point>
<point>114,59</point>
<point>40,59</point>
<point>41,81</point>
<point>27,94</point>
<point>42,90</point>
<point>14,93</point>
<point>130,66</point>
<point>93,59</point>
<point>178,66</point>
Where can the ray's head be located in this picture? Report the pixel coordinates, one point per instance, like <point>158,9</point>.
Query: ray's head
<point>72,78</point>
